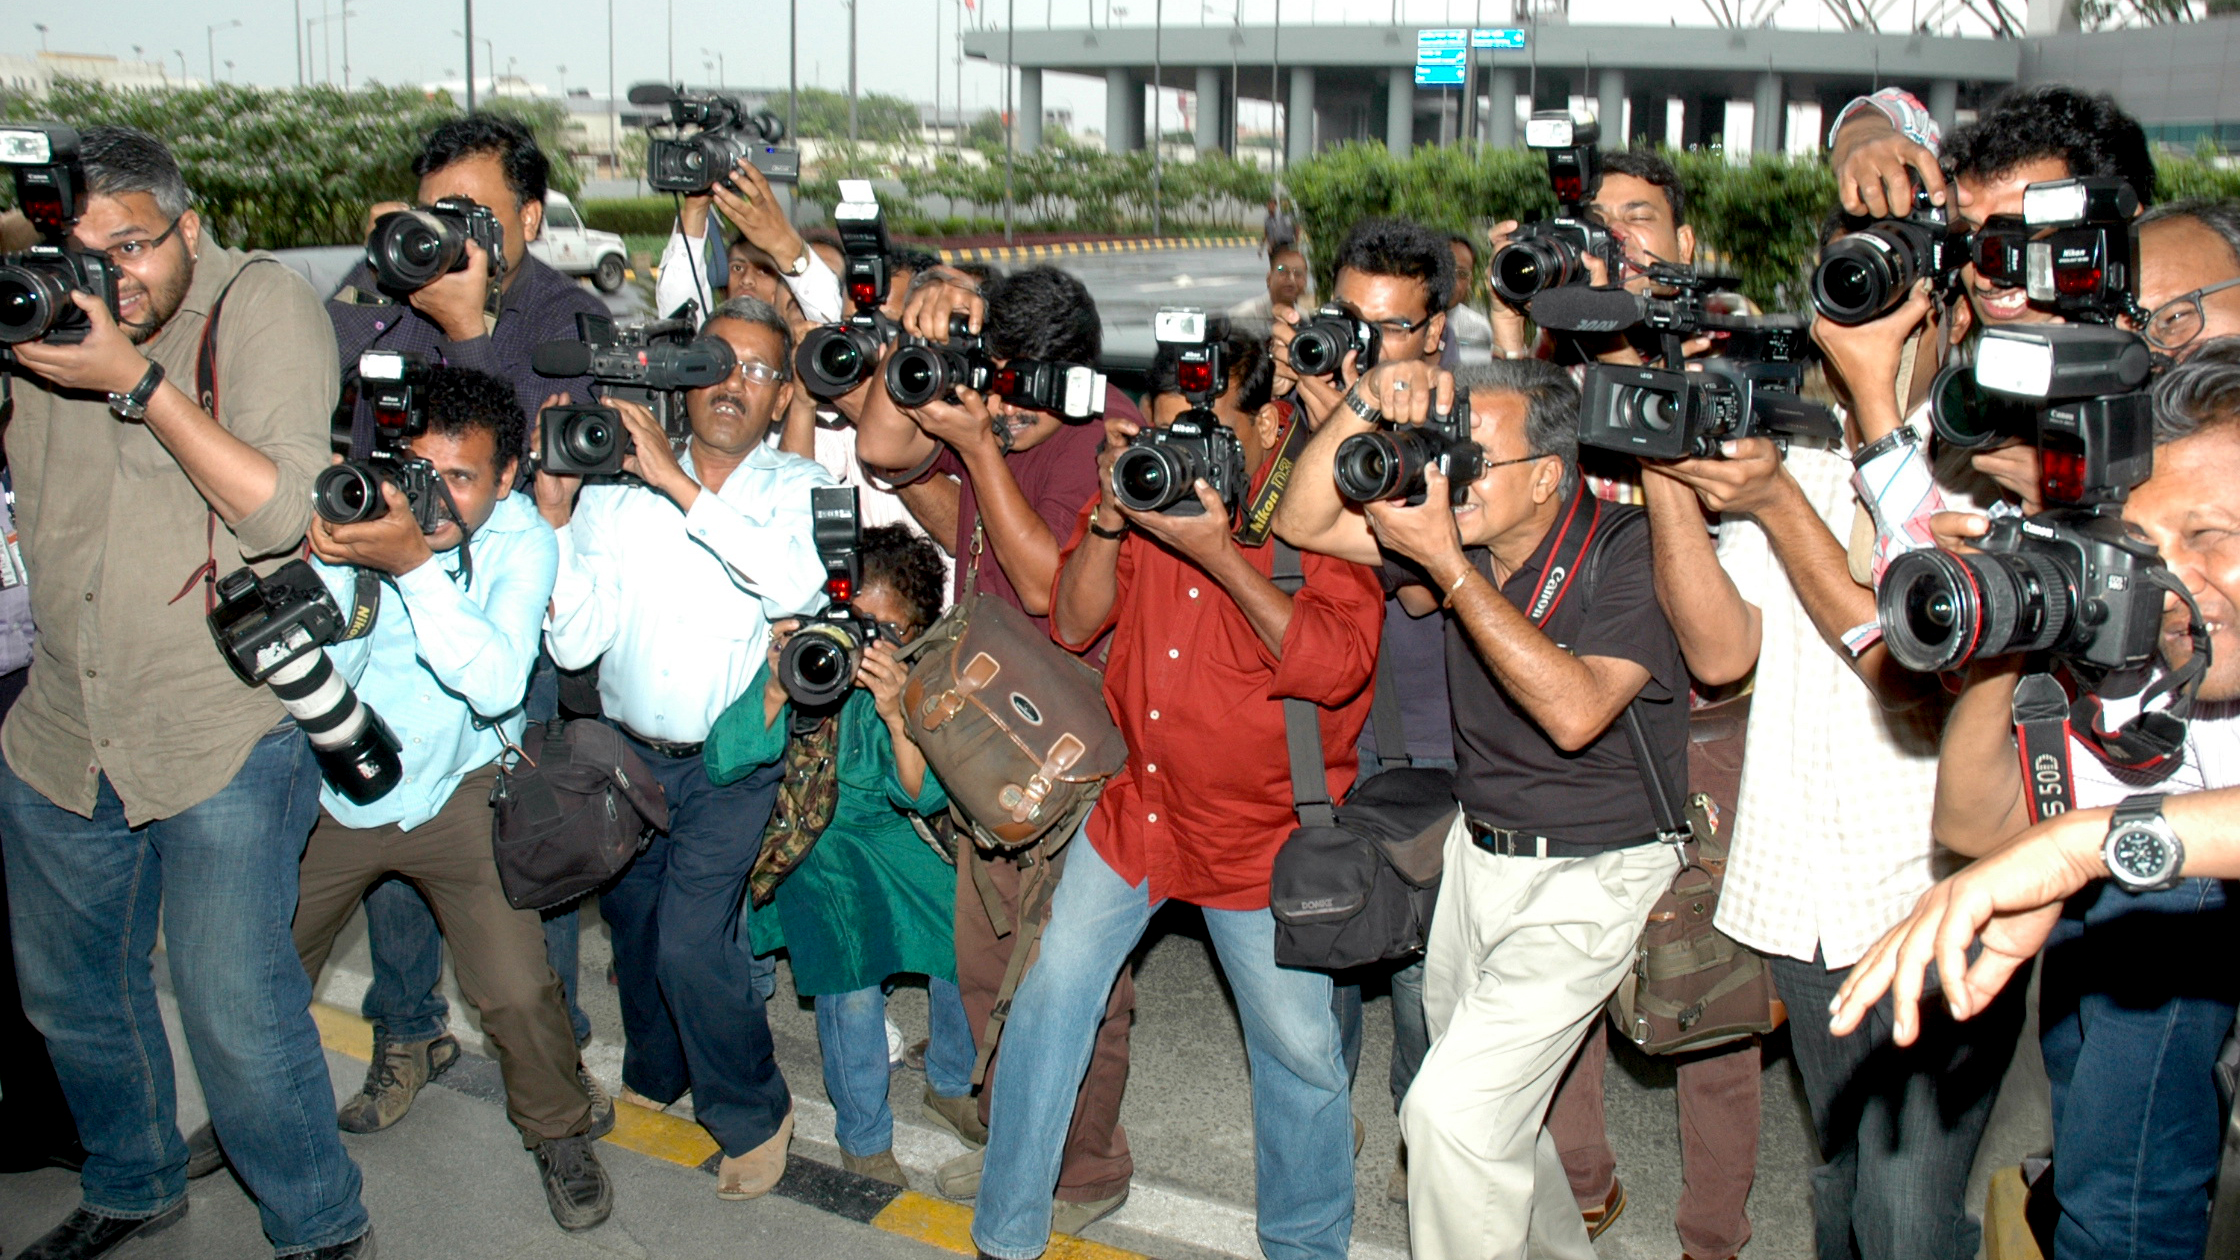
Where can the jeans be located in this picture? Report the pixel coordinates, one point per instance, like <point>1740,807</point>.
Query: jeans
<point>1898,1127</point>
<point>852,1033</point>
<point>1301,1101</point>
<point>84,898</point>
<point>405,999</point>
<point>2132,1021</point>
<point>692,1002</point>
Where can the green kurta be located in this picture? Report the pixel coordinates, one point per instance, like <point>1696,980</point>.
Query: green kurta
<point>872,899</point>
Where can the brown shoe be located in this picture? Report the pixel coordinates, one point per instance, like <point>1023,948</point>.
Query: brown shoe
<point>879,1167</point>
<point>751,1175</point>
<point>393,1079</point>
<point>959,1115</point>
<point>1396,1189</point>
<point>1068,1217</point>
<point>1613,1207</point>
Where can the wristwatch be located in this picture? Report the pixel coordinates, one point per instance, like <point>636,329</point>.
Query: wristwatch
<point>133,405</point>
<point>2142,852</point>
<point>799,267</point>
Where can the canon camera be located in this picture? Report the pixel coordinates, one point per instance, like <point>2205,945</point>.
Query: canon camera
<point>36,283</point>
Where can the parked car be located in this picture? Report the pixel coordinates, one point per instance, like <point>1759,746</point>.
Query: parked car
<point>572,249</point>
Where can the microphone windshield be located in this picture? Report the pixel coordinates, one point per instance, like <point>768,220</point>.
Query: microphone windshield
<point>651,94</point>
<point>1583,308</point>
<point>561,358</point>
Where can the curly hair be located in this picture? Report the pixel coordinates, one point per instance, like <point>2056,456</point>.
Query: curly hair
<point>2089,131</point>
<point>1650,169</point>
<point>1396,247</point>
<point>907,563</point>
<point>527,172</point>
<point>1042,313</point>
<point>460,399</point>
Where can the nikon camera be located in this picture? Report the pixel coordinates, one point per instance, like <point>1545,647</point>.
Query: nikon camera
<point>389,383</point>
<point>818,665</point>
<point>921,371</point>
<point>1323,340</point>
<point>409,250</point>
<point>36,284</point>
<point>834,359</point>
<point>1159,470</point>
<point>723,132</point>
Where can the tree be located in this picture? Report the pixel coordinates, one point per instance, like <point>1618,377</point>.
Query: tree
<point>823,115</point>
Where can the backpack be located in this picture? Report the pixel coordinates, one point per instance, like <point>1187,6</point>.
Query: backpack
<point>572,807</point>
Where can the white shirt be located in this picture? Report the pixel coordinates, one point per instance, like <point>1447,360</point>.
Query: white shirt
<point>1831,843</point>
<point>685,258</point>
<point>680,604</point>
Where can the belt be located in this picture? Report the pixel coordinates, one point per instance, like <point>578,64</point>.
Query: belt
<point>666,747</point>
<point>1503,842</point>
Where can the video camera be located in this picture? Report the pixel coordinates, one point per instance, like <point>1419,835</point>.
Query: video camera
<point>349,493</point>
<point>1159,470</point>
<point>724,132</point>
<point>834,359</point>
<point>647,362</point>
<point>818,665</point>
<point>1554,252</point>
<point>36,284</point>
<point>1866,275</point>
<point>409,250</point>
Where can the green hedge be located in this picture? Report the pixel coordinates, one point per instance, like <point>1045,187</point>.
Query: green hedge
<point>1058,188</point>
<point>631,216</point>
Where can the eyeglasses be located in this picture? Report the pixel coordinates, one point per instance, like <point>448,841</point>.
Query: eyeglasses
<point>125,253</point>
<point>1492,464</point>
<point>756,372</point>
<point>1392,327</point>
<point>1285,268</point>
<point>2174,324</point>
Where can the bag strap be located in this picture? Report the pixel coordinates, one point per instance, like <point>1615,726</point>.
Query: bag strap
<point>206,396</point>
<point>1671,827</point>
<point>1302,726</point>
<point>1384,717</point>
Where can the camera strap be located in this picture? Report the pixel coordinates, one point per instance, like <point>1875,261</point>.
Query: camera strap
<point>206,395</point>
<point>1260,510</point>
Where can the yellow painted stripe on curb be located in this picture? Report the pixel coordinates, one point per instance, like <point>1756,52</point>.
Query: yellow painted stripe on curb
<point>660,1135</point>
<point>940,1223</point>
<point>344,1032</point>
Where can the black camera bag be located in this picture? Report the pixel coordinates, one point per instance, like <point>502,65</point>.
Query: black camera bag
<point>572,807</point>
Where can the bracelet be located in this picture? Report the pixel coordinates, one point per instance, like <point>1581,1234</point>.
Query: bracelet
<point>1447,600</point>
<point>1361,408</point>
<point>1903,435</point>
<point>1114,534</point>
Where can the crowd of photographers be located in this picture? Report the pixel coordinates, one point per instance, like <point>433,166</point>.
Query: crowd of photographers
<point>1467,656</point>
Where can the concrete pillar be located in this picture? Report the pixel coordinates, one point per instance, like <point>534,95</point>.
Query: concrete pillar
<point>1299,117</point>
<point>1944,102</point>
<point>1028,123</point>
<point>1770,111</point>
<point>1610,107</point>
<point>1211,97</point>
<point>1501,107</point>
<point>1400,110</point>
<point>1123,111</point>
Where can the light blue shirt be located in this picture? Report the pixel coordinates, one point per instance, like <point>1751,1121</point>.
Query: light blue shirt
<point>442,655</point>
<point>677,605</point>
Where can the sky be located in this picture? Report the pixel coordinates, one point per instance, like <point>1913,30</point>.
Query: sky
<point>412,41</point>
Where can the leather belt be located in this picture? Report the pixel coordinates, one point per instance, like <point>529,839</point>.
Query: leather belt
<point>666,747</point>
<point>1503,842</point>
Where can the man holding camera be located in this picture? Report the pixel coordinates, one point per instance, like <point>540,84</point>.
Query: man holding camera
<point>671,581</point>
<point>142,778</point>
<point>1206,649</point>
<point>446,664</point>
<point>765,235</point>
<point>1555,856</point>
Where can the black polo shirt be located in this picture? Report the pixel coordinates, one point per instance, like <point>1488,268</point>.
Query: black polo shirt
<point>1508,772</point>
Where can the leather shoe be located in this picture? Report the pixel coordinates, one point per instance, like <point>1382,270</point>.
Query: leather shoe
<point>575,1186</point>
<point>1069,1217</point>
<point>83,1235</point>
<point>959,1116</point>
<point>203,1155</point>
<point>879,1167</point>
<point>359,1248</point>
<point>1613,1207</point>
<point>959,1179</point>
<point>750,1176</point>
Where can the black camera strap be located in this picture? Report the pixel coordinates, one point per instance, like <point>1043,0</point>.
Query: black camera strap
<point>206,396</point>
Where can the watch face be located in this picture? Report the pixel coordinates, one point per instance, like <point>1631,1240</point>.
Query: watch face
<point>2142,853</point>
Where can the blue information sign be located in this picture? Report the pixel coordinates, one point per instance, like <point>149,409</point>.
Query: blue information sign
<point>1497,37</point>
<point>1440,57</point>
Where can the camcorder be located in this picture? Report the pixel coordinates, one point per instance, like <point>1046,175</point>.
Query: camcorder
<point>1159,470</point>
<point>1323,339</point>
<point>818,665</point>
<point>2074,580</point>
<point>36,284</point>
<point>1390,463</point>
<point>275,630</point>
<point>921,370</point>
<point>834,359</point>
<point>648,362</point>
<point>724,131</point>
<point>389,384</point>
<point>409,250</point>
<point>1866,275</point>
<point>1554,252</point>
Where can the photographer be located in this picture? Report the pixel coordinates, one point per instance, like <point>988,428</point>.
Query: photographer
<point>1205,648</point>
<point>2129,1029</point>
<point>767,260</point>
<point>2189,274</point>
<point>671,582</point>
<point>136,749</point>
<point>1003,484</point>
<point>446,663</point>
<point>1392,274</point>
<point>1554,859</point>
<point>1288,285</point>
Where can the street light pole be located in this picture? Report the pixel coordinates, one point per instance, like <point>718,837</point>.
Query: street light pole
<point>346,45</point>
<point>1275,96</point>
<point>1158,108</point>
<point>614,112</point>
<point>301,78</point>
<point>851,70</point>
<point>210,40</point>
<point>1010,47</point>
<point>793,65</point>
<point>470,54</point>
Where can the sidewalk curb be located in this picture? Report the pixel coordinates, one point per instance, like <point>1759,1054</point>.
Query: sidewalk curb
<point>1028,253</point>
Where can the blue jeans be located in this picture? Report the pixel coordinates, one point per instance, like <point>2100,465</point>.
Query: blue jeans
<point>2132,1015</point>
<point>404,999</point>
<point>1301,1101</point>
<point>852,1033</point>
<point>84,896</point>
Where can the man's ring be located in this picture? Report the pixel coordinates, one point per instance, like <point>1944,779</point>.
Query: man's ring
<point>1397,386</point>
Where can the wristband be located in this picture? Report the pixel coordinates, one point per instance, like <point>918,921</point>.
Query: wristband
<point>1113,534</point>
<point>1903,435</point>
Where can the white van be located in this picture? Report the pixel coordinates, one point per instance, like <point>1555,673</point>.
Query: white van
<point>572,249</point>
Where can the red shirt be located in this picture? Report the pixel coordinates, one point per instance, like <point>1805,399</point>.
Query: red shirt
<point>1205,800</point>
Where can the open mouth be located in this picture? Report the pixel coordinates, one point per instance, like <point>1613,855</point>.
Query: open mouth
<point>1999,304</point>
<point>728,405</point>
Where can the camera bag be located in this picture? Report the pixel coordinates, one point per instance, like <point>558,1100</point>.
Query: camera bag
<point>572,807</point>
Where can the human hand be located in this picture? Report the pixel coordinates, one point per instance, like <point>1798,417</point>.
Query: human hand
<point>746,200</point>
<point>105,362</point>
<point>1425,533</point>
<point>926,313</point>
<point>1876,166</point>
<point>1958,531</point>
<point>1201,539</point>
<point>1321,394</point>
<point>1866,356</point>
<point>651,459</point>
<point>1118,430</point>
<point>555,493</point>
<point>389,543</point>
<point>380,208</point>
<point>966,424</point>
<point>773,691</point>
<point>1407,391</point>
<point>883,676</point>
<point>1748,480</point>
<point>2014,465</point>
<point>455,300</point>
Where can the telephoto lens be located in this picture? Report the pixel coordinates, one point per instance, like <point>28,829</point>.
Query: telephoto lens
<point>355,749</point>
<point>818,664</point>
<point>1528,266</point>
<point>1940,609</point>
<point>411,249</point>
<point>349,493</point>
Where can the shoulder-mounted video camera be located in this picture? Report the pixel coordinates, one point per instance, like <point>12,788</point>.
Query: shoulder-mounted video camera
<point>1553,252</point>
<point>36,283</point>
<point>723,131</point>
<point>389,385</point>
<point>818,665</point>
<point>648,362</point>
<point>833,359</point>
<point>1159,470</point>
<point>408,250</point>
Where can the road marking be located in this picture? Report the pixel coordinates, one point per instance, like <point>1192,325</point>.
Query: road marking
<point>1026,253</point>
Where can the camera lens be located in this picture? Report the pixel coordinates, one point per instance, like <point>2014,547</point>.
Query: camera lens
<point>1968,416</point>
<point>1151,478</point>
<point>818,664</point>
<point>1523,268</point>
<point>1367,467</point>
<point>348,494</point>
<point>1863,276</point>
<point>917,375</point>
<point>411,249</point>
<point>588,440</point>
<point>834,359</point>
<point>30,301</point>
<point>1939,609</point>
<point>1648,410</point>
<point>1318,349</point>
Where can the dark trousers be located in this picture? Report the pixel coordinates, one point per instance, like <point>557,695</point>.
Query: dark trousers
<point>1898,1127</point>
<point>2133,1008</point>
<point>405,999</point>
<point>691,1010</point>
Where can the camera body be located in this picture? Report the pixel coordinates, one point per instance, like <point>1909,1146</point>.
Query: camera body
<point>921,371</point>
<point>724,131</point>
<point>1554,252</point>
<point>1655,413</point>
<point>409,250</point>
<point>1322,341</point>
<point>648,362</point>
<point>349,493</point>
<point>818,665</point>
<point>1866,275</point>
<point>36,283</point>
<point>1390,462</point>
<point>262,623</point>
<point>833,359</point>
<point>1158,470</point>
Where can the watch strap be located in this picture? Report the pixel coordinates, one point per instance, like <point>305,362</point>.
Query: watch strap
<point>799,267</point>
<point>133,403</point>
<point>2138,807</point>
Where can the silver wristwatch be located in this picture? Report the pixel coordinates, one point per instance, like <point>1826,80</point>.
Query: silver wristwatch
<point>2142,852</point>
<point>133,404</point>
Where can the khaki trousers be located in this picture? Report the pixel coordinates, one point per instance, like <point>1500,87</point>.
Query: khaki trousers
<point>1522,956</point>
<point>497,951</point>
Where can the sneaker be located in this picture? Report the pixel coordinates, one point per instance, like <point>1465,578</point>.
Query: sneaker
<point>394,1078</point>
<point>575,1186</point>
<point>83,1235</point>
<point>959,1116</point>
<point>359,1248</point>
<point>895,1051</point>
<point>959,1179</point>
<point>1068,1217</point>
<point>750,1176</point>
<point>1613,1207</point>
<point>879,1167</point>
<point>602,1107</point>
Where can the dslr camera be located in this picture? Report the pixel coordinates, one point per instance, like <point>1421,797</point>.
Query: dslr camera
<point>36,284</point>
<point>275,630</point>
<point>818,665</point>
<point>1554,252</point>
<point>921,371</point>
<point>1323,339</point>
<point>2074,580</point>
<point>389,384</point>
<point>1160,467</point>
<point>1390,462</point>
<point>724,131</point>
<point>1866,275</point>
<point>409,250</point>
<point>832,360</point>
<point>642,361</point>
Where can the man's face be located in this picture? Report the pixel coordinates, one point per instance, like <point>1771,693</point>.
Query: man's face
<point>2002,194</point>
<point>752,275</point>
<point>2177,257</point>
<point>1287,277</point>
<point>1393,303</point>
<point>1465,272</point>
<point>153,270</point>
<point>1020,428</point>
<point>2190,510</point>
<point>481,177</point>
<point>1504,497</point>
<point>734,414</point>
<point>469,466</point>
<point>1639,215</point>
